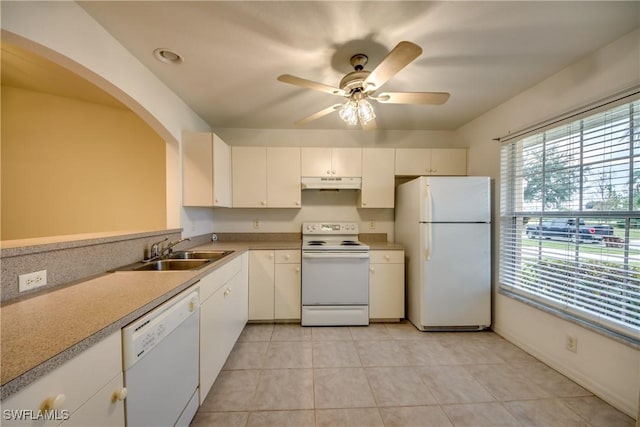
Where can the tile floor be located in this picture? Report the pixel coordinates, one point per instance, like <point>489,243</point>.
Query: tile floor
<point>392,375</point>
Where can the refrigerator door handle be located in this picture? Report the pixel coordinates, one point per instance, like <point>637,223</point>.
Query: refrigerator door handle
<point>427,237</point>
<point>427,240</point>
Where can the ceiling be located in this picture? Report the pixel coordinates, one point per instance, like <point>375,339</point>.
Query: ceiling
<point>483,53</point>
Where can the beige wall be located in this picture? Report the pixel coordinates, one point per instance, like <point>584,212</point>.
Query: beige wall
<point>604,366</point>
<point>73,167</point>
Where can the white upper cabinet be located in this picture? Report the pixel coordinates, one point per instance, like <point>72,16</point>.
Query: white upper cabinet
<point>283,177</point>
<point>249,170</point>
<point>206,169</point>
<point>431,161</point>
<point>378,178</point>
<point>266,177</point>
<point>449,161</point>
<point>337,162</point>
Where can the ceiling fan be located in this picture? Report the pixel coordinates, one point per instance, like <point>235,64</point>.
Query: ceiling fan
<point>361,85</point>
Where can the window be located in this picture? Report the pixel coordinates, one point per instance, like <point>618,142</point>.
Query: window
<point>570,219</point>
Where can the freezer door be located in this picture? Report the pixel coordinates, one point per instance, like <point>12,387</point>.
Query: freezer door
<point>456,275</point>
<point>456,199</point>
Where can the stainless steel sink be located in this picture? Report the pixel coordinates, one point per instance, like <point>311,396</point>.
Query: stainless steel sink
<point>178,261</point>
<point>172,265</point>
<point>208,255</point>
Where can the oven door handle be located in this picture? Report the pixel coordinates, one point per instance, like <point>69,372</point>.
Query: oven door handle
<point>341,255</point>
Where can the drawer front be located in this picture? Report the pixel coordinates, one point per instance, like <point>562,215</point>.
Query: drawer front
<point>287,257</point>
<point>74,382</point>
<point>214,280</point>
<point>387,257</point>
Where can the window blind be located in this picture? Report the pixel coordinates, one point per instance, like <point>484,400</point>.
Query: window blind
<point>570,219</point>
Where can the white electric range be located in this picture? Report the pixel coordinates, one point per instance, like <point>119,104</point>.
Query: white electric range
<point>335,275</point>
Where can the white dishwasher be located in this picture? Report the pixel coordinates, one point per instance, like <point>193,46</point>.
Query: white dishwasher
<point>160,363</point>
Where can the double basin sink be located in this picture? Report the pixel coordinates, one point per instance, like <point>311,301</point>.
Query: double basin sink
<point>178,261</point>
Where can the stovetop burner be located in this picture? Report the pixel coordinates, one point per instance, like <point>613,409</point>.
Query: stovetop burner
<point>331,236</point>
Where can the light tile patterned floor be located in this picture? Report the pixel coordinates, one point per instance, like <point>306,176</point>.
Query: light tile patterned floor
<point>392,375</point>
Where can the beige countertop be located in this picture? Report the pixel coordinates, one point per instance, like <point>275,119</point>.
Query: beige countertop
<point>40,333</point>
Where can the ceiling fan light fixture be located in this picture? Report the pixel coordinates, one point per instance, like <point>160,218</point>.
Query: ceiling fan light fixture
<point>349,112</point>
<point>365,111</point>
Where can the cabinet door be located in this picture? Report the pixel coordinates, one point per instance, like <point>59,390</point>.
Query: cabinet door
<point>197,169</point>
<point>249,170</point>
<point>386,293</point>
<point>346,162</point>
<point>222,318</point>
<point>221,173</point>
<point>283,177</point>
<point>75,381</point>
<point>105,408</point>
<point>378,178</point>
<point>315,161</point>
<point>386,285</point>
<point>449,161</point>
<point>413,161</point>
<point>261,285</point>
<point>287,292</point>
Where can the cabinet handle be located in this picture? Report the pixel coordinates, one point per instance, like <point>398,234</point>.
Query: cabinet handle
<point>387,257</point>
<point>227,292</point>
<point>263,203</point>
<point>328,172</point>
<point>215,201</point>
<point>287,256</point>
<point>333,172</point>
<point>364,203</point>
<point>297,269</point>
<point>371,269</point>
<point>297,203</point>
<point>53,403</point>
<point>119,395</point>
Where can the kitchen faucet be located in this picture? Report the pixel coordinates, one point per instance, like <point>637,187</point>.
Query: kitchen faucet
<point>169,248</point>
<point>155,251</point>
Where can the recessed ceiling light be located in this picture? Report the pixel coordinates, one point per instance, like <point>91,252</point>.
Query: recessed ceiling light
<point>167,56</point>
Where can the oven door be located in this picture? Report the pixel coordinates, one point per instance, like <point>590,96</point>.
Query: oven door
<point>335,278</point>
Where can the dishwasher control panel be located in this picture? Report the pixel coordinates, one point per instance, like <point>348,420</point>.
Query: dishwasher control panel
<point>143,334</point>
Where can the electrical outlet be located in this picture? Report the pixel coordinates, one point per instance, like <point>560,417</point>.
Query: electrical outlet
<point>571,343</point>
<point>29,281</point>
<point>372,225</point>
<point>256,224</point>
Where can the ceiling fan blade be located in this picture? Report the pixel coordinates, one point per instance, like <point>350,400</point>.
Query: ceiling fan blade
<point>308,84</point>
<point>319,114</point>
<point>399,57</point>
<point>434,98</point>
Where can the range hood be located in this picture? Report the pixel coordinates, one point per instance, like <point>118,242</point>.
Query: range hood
<point>331,183</point>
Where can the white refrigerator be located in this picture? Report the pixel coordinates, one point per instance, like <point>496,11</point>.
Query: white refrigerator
<point>444,225</point>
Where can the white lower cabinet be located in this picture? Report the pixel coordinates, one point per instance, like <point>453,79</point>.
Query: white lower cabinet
<point>223,315</point>
<point>274,285</point>
<point>386,285</point>
<point>84,391</point>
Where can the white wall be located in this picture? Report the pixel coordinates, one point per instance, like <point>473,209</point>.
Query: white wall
<point>604,366</point>
<point>64,33</point>
<point>316,206</point>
